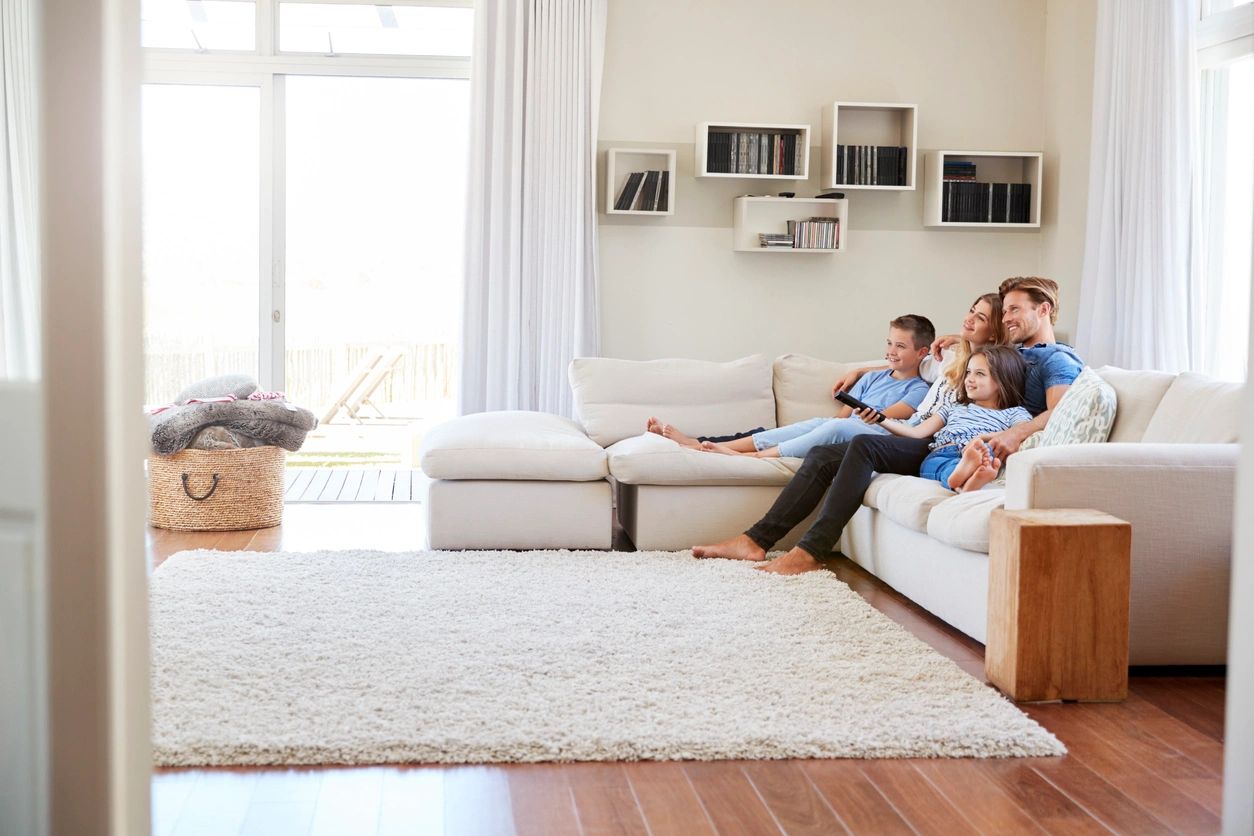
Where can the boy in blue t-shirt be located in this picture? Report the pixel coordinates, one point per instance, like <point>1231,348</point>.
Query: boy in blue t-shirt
<point>896,392</point>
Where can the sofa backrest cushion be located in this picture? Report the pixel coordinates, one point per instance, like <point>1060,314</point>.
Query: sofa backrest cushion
<point>614,398</point>
<point>1197,410</point>
<point>1138,394</point>
<point>803,386</point>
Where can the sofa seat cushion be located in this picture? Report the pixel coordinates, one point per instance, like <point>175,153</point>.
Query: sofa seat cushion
<point>1197,410</point>
<point>511,446</point>
<point>650,459</point>
<point>1138,394</point>
<point>871,498</point>
<point>908,500</point>
<point>614,398</point>
<point>963,520</point>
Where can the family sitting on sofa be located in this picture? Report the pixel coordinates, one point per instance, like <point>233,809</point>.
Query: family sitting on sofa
<point>986,399</point>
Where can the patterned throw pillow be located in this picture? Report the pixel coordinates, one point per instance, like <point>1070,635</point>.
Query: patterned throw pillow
<point>1083,416</point>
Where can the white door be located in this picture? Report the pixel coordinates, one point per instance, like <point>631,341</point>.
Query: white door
<point>73,646</point>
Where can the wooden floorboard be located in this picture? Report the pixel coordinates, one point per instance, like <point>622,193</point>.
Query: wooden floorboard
<point>1149,765</point>
<point>335,484</point>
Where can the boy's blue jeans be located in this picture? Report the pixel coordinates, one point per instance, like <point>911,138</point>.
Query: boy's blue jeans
<point>800,438</point>
<point>940,464</point>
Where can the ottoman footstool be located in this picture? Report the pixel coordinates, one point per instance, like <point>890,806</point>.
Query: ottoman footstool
<point>516,480</point>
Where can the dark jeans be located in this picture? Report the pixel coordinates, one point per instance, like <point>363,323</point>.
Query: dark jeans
<point>848,469</point>
<point>718,438</point>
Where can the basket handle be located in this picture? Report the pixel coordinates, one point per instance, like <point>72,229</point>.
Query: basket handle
<point>187,490</point>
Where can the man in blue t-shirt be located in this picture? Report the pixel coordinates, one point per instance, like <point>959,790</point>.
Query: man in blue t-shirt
<point>1029,311</point>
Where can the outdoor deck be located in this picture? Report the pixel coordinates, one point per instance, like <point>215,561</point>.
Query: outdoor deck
<point>341,484</point>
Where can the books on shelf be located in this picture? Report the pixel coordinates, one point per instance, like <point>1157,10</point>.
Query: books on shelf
<point>754,152</point>
<point>958,170</point>
<point>819,233</point>
<point>871,165</point>
<point>972,202</point>
<point>645,191</point>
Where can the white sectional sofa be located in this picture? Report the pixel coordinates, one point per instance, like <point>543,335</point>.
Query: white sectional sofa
<point>544,482</point>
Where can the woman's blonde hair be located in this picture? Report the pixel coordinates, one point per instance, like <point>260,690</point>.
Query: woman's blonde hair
<point>958,367</point>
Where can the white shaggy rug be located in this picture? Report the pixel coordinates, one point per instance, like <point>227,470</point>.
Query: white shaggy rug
<point>462,657</point>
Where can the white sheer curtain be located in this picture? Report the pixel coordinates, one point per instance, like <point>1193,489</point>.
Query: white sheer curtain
<point>1135,294</point>
<point>19,183</point>
<point>531,260</point>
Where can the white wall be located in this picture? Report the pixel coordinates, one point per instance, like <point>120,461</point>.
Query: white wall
<point>975,68</point>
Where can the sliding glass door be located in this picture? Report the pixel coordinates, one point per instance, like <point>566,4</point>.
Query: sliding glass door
<point>374,201</point>
<point>201,166</point>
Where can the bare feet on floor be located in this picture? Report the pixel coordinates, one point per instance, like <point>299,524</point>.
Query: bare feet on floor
<point>682,439</point>
<point>737,548</point>
<point>985,473</point>
<point>794,562</point>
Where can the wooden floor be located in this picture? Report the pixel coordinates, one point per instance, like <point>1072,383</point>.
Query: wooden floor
<point>336,484</point>
<point>1149,765</point>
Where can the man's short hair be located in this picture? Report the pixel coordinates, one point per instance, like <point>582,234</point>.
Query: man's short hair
<point>1038,290</point>
<point>920,328</point>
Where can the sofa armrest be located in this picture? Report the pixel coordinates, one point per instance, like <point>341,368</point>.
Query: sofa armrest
<point>1179,499</point>
<point>1178,479</point>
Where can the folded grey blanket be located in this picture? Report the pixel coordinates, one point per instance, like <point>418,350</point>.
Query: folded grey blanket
<point>270,422</point>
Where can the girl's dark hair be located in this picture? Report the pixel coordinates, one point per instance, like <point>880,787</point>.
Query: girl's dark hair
<point>1009,372</point>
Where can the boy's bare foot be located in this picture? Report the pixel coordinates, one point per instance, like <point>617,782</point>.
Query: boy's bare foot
<point>971,458</point>
<point>719,447</point>
<point>682,439</point>
<point>739,547</point>
<point>794,562</point>
<point>653,425</point>
<point>985,473</point>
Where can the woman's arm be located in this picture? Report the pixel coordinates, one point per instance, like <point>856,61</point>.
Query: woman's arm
<point>925,429</point>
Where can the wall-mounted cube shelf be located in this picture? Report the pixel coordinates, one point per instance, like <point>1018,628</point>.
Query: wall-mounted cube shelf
<point>980,202</point>
<point>756,215</point>
<point>620,166</point>
<point>869,145</point>
<point>752,150</point>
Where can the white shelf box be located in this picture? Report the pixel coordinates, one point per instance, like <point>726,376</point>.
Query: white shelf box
<point>869,123</point>
<point>754,215</point>
<point>620,163</point>
<point>705,163</point>
<point>991,167</point>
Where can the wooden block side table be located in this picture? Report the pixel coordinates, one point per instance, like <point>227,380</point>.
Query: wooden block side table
<point>1058,587</point>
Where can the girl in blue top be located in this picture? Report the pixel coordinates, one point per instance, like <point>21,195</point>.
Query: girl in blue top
<point>989,402</point>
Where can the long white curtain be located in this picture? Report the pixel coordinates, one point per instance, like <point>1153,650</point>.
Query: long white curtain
<point>531,259</point>
<point>19,185</point>
<point>1135,297</point>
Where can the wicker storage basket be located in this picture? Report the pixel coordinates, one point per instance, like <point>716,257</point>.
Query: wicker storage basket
<point>217,490</point>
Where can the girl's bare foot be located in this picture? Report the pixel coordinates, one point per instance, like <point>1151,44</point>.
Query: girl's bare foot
<point>739,547</point>
<point>971,458</point>
<point>653,425</point>
<point>985,473</point>
<point>682,439</point>
<point>793,562</point>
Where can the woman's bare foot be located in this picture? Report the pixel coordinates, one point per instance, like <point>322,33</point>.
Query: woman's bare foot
<point>971,458</point>
<point>653,425</point>
<point>682,439</point>
<point>794,562</point>
<point>989,467</point>
<point>739,547</point>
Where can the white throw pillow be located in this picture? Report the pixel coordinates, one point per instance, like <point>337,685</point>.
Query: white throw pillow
<point>614,398</point>
<point>1198,410</point>
<point>1084,415</point>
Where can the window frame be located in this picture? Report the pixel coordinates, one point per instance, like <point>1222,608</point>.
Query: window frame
<point>267,68</point>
